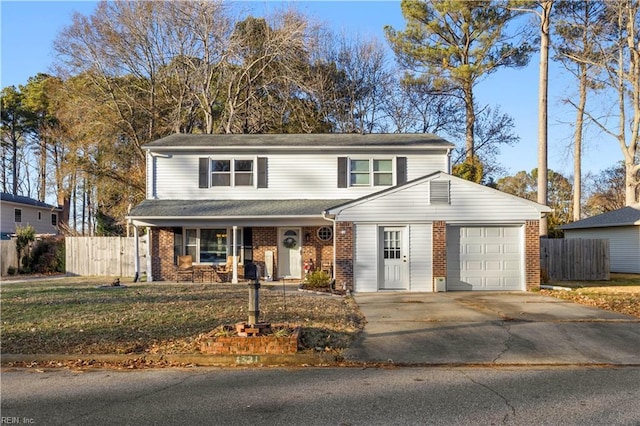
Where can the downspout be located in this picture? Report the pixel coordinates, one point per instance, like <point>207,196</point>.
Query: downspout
<point>333,224</point>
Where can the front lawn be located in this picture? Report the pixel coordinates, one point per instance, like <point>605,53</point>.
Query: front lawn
<point>620,294</point>
<point>76,316</point>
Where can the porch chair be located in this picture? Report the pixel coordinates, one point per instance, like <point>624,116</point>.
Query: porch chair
<point>185,268</point>
<point>223,271</point>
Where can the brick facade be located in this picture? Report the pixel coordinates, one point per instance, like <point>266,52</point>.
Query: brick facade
<point>265,239</point>
<point>314,249</point>
<point>532,254</point>
<point>344,255</point>
<point>439,251</point>
<point>163,267</point>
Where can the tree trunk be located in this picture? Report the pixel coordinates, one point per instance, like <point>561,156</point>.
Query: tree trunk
<point>470,121</point>
<point>543,88</point>
<point>577,144</point>
<point>42,190</point>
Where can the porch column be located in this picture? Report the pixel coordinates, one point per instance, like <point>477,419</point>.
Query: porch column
<point>149,259</point>
<point>136,254</point>
<point>234,242</point>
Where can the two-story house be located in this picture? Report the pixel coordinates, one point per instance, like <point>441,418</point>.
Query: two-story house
<point>381,209</point>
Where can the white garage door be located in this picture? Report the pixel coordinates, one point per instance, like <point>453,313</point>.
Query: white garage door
<point>484,258</point>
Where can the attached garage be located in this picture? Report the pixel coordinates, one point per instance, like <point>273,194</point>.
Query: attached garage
<point>484,258</point>
<point>437,228</point>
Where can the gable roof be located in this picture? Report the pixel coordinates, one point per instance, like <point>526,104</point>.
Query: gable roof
<point>19,199</point>
<point>626,216</point>
<point>350,203</point>
<point>315,141</point>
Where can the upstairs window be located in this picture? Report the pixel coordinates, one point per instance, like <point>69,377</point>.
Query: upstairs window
<point>372,172</point>
<point>243,172</point>
<point>54,219</point>
<point>220,172</point>
<point>17,215</point>
<point>214,172</point>
<point>367,172</point>
<point>231,172</point>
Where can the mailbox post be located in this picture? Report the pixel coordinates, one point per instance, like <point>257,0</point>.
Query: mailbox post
<point>252,273</point>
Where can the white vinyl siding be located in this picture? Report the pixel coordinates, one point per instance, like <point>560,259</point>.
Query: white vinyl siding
<point>468,203</point>
<point>624,245</point>
<point>420,257</point>
<point>365,268</point>
<point>367,258</point>
<point>292,175</point>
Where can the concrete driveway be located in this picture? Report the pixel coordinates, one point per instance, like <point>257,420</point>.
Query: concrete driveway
<point>491,328</point>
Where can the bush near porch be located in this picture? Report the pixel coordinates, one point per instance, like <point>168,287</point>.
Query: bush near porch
<point>77,316</point>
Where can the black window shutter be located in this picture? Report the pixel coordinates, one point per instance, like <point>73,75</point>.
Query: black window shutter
<point>401,170</point>
<point>262,172</point>
<point>342,172</point>
<point>203,173</point>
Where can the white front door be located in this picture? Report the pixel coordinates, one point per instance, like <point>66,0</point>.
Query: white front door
<point>394,259</point>
<point>289,253</point>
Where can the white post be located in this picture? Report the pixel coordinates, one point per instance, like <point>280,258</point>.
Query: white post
<point>234,242</point>
<point>149,263</point>
<point>136,255</point>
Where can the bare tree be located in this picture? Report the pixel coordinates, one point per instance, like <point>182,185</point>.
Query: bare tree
<point>578,26</point>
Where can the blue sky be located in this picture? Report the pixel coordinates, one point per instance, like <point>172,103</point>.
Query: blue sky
<point>29,28</point>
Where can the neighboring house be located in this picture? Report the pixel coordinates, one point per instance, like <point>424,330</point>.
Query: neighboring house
<point>380,209</point>
<point>621,227</point>
<point>18,211</point>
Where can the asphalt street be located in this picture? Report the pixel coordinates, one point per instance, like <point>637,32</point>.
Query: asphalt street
<point>324,396</point>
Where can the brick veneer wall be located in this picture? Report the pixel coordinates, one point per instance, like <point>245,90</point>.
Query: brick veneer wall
<point>265,239</point>
<point>343,269</point>
<point>315,249</point>
<point>162,265</point>
<point>439,251</point>
<point>532,254</point>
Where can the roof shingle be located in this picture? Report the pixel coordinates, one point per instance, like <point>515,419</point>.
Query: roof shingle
<point>625,216</point>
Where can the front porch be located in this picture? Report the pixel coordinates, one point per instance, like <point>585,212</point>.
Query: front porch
<point>261,246</point>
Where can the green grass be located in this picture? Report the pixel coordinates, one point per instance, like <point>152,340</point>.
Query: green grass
<point>74,316</point>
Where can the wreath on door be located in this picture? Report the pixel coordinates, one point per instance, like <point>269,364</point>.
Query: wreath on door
<point>289,242</point>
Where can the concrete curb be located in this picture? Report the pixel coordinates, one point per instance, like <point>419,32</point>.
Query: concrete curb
<point>301,359</point>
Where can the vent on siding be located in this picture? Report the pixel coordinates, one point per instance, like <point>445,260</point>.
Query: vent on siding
<point>439,192</point>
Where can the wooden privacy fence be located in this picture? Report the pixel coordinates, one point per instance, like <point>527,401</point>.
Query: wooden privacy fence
<point>8,255</point>
<point>574,259</point>
<point>103,256</point>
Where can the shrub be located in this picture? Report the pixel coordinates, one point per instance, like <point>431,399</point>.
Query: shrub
<point>11,270</point>
<point>25,235</point>
<point>317,279</point>
<point>48,256</point>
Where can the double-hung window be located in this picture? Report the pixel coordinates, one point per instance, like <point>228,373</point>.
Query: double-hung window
<point>371,172</point>
<point>231,172</point>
